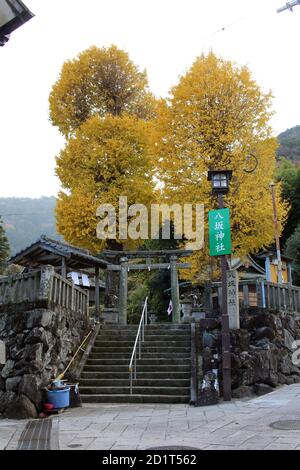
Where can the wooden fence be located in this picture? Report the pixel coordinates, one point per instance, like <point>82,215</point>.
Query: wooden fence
<point>20,288</point>
<point>65,294</point>
<point>46,286</point>
<point>262,294</point>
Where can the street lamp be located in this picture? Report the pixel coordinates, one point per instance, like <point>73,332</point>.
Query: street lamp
<point>220,185</point>
<point>220,181</point>
<point>13,13</point>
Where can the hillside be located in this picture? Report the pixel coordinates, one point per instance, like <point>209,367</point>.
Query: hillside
<point>290,144</point>
<point>26,219</point>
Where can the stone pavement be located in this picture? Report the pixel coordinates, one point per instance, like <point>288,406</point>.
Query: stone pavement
<point>240,424</point>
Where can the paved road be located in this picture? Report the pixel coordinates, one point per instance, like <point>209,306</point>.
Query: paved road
<point>235,425</point>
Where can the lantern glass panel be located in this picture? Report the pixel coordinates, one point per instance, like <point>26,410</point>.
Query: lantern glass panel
<point>220,181</point>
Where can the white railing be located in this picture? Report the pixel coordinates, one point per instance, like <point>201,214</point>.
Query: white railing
<point>140,338</point>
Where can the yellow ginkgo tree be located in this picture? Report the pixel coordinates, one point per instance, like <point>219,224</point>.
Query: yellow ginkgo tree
<point>105,159</point>
<point>216,118</point>
<point>99,82</point>
<point>101,103</point>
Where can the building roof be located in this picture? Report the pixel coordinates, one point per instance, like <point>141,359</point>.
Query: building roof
<point>48,251</point>
<point>237,263</point>
<point>272,254</point>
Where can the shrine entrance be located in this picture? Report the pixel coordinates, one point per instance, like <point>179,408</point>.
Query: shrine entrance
<point>125,261</point>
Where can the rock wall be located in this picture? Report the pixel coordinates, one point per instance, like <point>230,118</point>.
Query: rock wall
<point>261,352</point>
<point>39,345</point>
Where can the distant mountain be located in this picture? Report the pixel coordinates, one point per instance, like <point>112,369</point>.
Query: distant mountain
<point>290,144</point>
<point>26,219</point>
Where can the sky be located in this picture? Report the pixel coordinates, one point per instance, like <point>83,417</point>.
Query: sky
<point>162,36</point>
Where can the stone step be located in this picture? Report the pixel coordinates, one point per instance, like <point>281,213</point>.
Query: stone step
<point>119,327</point>
<point>157,343</point>
<point>140,362</point>
<point>138,382</point>
<point>110,334</point>
<point>163,373</point>
<point>135,398</point>
<point>155,352</point>
<point>148,349</point>
<point>157,355</point>
<point>141,375</point>
<point>153,329</point>
<point>183,391</point>
<point>167,325</point>
<point>168,335</point>
<point>150,367</point>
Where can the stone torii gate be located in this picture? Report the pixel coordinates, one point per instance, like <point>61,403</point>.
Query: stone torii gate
<point>122,264</point>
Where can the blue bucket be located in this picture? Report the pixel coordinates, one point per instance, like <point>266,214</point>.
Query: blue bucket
<point>59,398</point>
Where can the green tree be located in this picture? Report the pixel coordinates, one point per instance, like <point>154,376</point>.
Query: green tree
<point>159,281</point>
<point>153,284</point>
<point>292,250</point>
<point>289,175</point>
<point>4,248</point>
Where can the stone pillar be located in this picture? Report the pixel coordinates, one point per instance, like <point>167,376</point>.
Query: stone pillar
<point>123,287</point>
<point>108,279</point>
<point>2,353</point>
<point>47,273</point>
<point>233,300</point>
<point>97,295</point>
<point>63,268</point>
<point>175,289</point>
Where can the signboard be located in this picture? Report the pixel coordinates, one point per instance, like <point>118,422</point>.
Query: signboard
<point>219,232</point>
<point>233,300</point>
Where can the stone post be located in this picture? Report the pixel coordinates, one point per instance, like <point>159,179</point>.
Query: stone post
<point>47,273</point>
<point>63,268</point>
<point>233,300</point>
<point>123,287</point>
<point>97,294</point>
<point>175,290</point>
<point>2,353</point>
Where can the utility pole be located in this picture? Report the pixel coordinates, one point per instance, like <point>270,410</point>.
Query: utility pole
<point>276,230</point>
<point>289,6</point>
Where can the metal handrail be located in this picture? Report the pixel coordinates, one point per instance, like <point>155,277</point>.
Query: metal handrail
<point>140,338</point>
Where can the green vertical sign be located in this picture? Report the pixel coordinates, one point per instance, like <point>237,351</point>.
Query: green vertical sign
<point>219,232</point>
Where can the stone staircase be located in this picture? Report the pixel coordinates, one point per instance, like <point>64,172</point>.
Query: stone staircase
<point>163,373</point>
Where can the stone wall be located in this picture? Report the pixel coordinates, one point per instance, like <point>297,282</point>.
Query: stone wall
<point>261,352</point>
<point>39,345</point>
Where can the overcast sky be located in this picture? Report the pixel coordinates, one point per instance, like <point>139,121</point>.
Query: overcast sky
<point>162,36</point>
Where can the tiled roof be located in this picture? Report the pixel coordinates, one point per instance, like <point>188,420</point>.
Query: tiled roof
<point>56,247</point>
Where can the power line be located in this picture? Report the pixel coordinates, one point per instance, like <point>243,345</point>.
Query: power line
<point>26,213</point>
<point>252,16</point>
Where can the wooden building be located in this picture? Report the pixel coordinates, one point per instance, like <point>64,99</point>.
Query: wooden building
<point>65,259</point>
